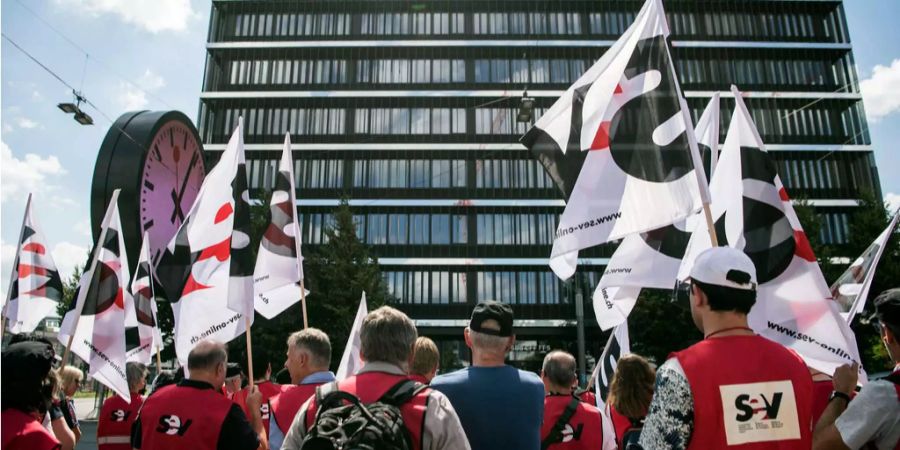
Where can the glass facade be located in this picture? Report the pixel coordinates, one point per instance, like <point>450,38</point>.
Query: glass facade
<point>410,110</point>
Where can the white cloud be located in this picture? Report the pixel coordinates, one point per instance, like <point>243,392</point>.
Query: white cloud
<point>152,15</point>
<point>133,97</point>
<point>893,201</point>
<point>67,256</point>
<point>83,227</point>
<point>36,96</point>
<point>24,122</point>
<point>881,92</point>
<point>18,177</point>
<point>7,128</point>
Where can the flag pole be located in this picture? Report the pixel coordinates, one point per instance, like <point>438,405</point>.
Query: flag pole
<point>249,352</point>
<point>158,362</point>
<point>297,235</point>
<point>12,272</point>
<point>303,304</point>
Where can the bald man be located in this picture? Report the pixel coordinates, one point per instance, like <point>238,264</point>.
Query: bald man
<point>194,414</point>
<point>569,423</point>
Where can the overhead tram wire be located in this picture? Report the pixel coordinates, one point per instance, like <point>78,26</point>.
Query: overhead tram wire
<point>95,59</point>
<point>65,83</point>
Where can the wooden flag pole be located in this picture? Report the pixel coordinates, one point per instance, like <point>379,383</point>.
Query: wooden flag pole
<point>62,362</point>
<point>303,304</point>
<point>158,362</point>
<point>710,225</point>
<point>249,353</point>
<point>590,383</point>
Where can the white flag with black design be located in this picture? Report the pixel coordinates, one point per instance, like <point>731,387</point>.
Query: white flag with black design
<point>96,319</point>
<point>279,263</point>
<point>618,345</point>
<point>206,270</point>
<point>142,336</point>
<point>616,145</point>
<point>753,213</point>
<point>350,360</point>
<point>35,287</point>
<point>651,259</point>
<point>852,288</point>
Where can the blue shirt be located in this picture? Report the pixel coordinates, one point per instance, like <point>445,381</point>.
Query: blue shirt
<point>276,438</point>
<point>499,407</point>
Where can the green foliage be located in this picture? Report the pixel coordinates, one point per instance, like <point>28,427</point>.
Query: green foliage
<point>661,325</point>
<point>70,287</point>
<point>336,273</point>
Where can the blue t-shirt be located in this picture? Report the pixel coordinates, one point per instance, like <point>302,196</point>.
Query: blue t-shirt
<point>499,407</point>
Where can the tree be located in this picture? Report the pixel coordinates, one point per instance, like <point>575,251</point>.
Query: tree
<point>336,273</point>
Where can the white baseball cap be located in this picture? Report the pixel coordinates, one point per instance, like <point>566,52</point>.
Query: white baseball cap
<point>726,267</point>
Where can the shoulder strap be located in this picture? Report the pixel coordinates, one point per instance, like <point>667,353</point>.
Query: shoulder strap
<point>556,433</point>
<point>323,390</point>
<point>894,377</point>
<point>402,392</point>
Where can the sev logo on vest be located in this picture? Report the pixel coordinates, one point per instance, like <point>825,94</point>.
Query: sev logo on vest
<point>759,412</point>
<point>171,425</point>
<point>264,411</point>
<point>570,434</point>
<point>120,415</point>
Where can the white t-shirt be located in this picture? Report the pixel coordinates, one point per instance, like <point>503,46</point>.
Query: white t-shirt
<point>873,416</point>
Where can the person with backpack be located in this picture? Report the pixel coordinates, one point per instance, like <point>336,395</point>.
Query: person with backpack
<point>308,357</point>
<point>872,419</point>
<point>499,405</point>
<point>569,423</point>
<point>733,389</point>
<point>630,393</point>
<point>194,415</point>
<point>380,407</point>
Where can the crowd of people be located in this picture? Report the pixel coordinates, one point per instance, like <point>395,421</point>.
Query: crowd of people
<point>733,389</point>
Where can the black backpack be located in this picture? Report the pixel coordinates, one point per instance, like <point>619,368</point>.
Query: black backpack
<point>343,422</point>
<point>633,435</point>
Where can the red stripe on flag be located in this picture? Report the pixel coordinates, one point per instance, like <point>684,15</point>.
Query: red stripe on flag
<point>224,212</point>
<point>120,299</point>
<point>34,247</point>
<point>26,270</point>
<point>601,139</point>
<point>803,249</point>
<point>220,251</point>
<point>618,89</point>
<point>192,285</point>
<point>783,194</point>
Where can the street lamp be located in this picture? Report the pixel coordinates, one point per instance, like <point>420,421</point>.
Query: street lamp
<point>75,108</point>
<point>526,108</point>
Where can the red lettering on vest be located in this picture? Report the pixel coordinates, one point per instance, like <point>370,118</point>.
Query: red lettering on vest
<point>114,422</point>
<point>21,431</point>
<point>284,406</point>
<point>371,386</point>
<point>583,431</point>
<point>748,390</point>
<point>181,417</point>
<point>268,390</point>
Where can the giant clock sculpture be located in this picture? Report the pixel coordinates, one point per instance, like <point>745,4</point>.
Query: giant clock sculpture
<point>156,158</point>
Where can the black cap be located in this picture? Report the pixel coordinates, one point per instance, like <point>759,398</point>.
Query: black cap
<point>29,359</point>
<point>492,310</point>
<point>233,369</point>
<point>887,307</point>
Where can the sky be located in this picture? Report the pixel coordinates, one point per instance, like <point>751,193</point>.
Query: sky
<point>127,55</point>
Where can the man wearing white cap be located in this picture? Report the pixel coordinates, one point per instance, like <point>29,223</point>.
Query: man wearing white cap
<point>734,388</point>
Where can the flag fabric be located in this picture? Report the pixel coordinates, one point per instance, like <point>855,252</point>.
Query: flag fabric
<point>617,346</point>
<point>279,263</point>
<point>852,288</point>
<point>206,270</point>
<point>615,145</point>
<point>350,361</point>
<point>753,213</point>
<point>651,259</point>
<point>96,319</point>
<point>35,287</point>
<point>142,336</point>
<point>707,132</point>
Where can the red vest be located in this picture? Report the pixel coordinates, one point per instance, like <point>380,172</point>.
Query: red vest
<point>21,431</point>
<point>114,422</point>
<point>284,406</point>
<point>583,431</point>
<point>268,390</point>
<point>621,423</point>
<point>589,397</point>
<point>371,386</point>
<point>181,417</point>
<point>748,393</point>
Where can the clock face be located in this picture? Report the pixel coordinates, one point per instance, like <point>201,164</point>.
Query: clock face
<point>172,175</point>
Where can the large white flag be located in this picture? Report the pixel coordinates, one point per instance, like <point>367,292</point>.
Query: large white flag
<point>142,334</point>
<point>651,259</point>
<point>35,287</point>
<point>753,213</point>
<point>852,288</point>
<point>350,361</point>
<point>206,270</point>
<point>616,145</point>
<point>279,263</point>
<point>96,319</point>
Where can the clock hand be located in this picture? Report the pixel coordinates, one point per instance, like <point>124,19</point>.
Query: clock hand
<point>184,182</point>
<point>177,212</point>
